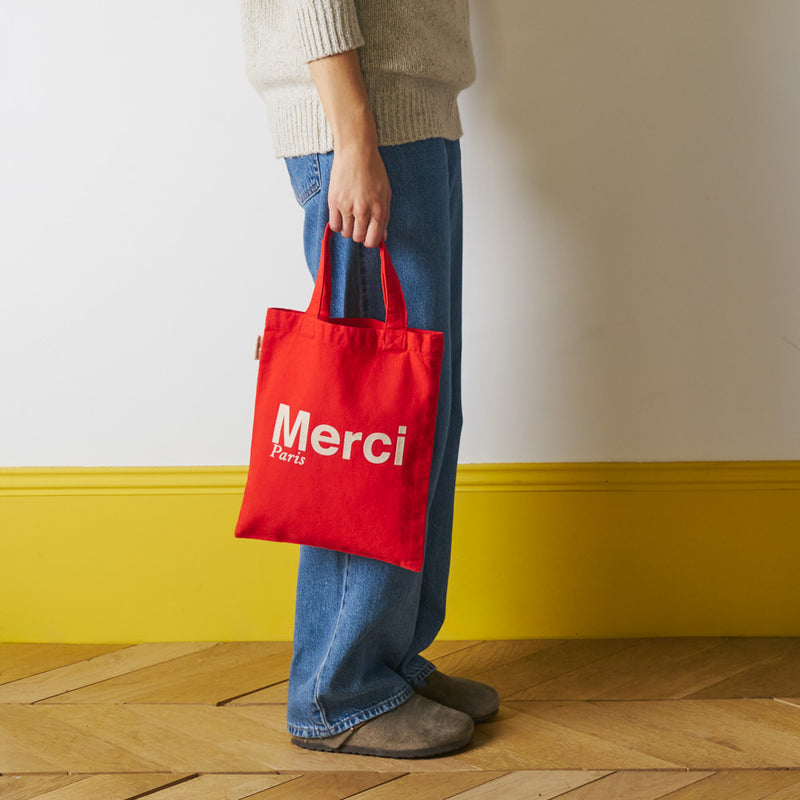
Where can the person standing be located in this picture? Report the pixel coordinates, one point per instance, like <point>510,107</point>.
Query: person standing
<point>362,102</point>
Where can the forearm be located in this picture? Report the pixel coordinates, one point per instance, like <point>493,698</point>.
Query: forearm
<point>344,99</point>
<point>359,194</point>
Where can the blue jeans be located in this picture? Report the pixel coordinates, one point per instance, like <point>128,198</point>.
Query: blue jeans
<point>361,624</point>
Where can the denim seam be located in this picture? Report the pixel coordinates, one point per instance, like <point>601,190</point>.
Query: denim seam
<point>390,704</point>
<point>314,183</point>
<point>339,615</point>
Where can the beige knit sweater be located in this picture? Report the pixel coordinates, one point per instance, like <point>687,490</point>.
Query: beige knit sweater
<point>415,57</point>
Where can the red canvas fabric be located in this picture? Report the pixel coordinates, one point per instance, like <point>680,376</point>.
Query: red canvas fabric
<point>345,415</point>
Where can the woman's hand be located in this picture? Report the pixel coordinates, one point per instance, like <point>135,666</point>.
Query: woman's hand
<point>359,194</point>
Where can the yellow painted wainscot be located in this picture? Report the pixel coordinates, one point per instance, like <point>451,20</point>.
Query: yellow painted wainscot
<point>540,550</point>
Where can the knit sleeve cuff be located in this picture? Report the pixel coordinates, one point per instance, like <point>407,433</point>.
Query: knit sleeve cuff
<point>327,27</point>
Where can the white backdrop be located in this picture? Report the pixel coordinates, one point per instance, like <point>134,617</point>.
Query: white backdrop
<point>632,271</point>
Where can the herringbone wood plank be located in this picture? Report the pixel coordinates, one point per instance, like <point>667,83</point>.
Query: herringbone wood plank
<point>439,650</point>
<point>277,694</point>
<point>430,786</point>
<point>184,738</point>
<point>102,787</point>
<point>22,660</point>
<point>528,784</point>
<point>585,719</point>
<point>325,786</point>
<point>693,734</point>
<point>517,666</point>
<point>30,741</point>
<point>742,785</point>
<point>194,677</point>
<point>100,668</point>
<point>636,786</point>
<point>224,787</point>
<point>669,669</point>
<point>692,672</point>
<point>790,792</point>
<point>615,676</point>
<point>520,741</point>
<point>482,656</point>
<point>774,674</point>
<point>25,787</point>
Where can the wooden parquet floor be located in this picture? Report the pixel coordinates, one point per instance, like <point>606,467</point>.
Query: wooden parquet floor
<point>630,719</point>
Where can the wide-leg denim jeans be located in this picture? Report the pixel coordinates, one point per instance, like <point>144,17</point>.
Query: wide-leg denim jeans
<point>361,624</point>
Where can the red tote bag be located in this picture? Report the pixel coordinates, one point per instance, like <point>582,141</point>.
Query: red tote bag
<point>345,415</point>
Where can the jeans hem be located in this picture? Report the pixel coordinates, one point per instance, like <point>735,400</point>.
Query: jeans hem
<point>421,674</point>
<point>317,732</point>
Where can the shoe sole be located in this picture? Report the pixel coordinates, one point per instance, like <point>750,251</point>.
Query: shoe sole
<point>430,752</point>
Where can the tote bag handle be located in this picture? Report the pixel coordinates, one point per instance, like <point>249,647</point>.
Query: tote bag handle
<point>396,324</point>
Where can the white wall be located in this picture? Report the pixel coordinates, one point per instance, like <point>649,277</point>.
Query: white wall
<point>632,175</point>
